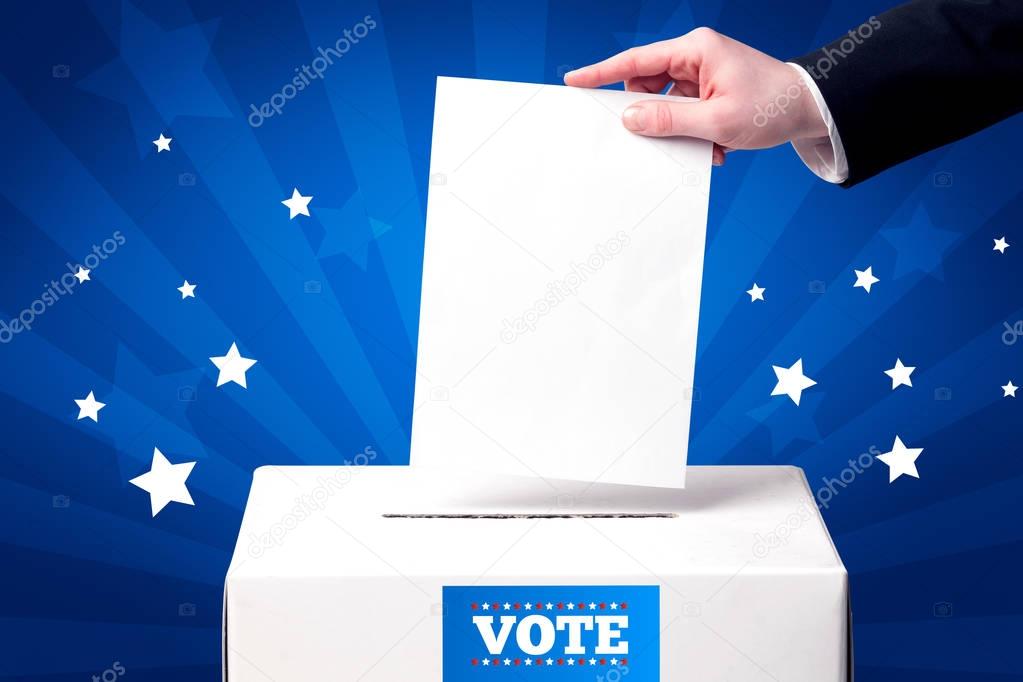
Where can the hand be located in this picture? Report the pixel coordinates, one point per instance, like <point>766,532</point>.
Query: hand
<point>748,100</point>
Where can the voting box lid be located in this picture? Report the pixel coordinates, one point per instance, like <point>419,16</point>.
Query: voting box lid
<point>358,521</point>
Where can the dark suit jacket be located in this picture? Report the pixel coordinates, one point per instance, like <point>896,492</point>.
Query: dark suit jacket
<point>920,76</point>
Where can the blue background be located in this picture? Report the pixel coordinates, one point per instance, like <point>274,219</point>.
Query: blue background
<point>90,578</point>
<point>462,640</point>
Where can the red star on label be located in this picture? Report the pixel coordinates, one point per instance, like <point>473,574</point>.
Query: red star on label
<point>603,661</point>
<point>623,661</point>
<point>582,661</point>
<point>623,605</point>
<point>561,661</point>
<point>560,605</point>
<point>539,605</point>
<point>539,661</point>
<point>473,606</point>
<point>581,605</point>
<point>495,606</point>
<point>603,605</point>
<point>517,606</point>
<point>517,661</point>
<point>496,661</point>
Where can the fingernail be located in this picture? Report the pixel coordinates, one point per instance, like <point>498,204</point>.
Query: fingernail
<point>634,118</point>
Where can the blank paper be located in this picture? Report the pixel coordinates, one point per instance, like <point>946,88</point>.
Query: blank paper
<point>561,287</point>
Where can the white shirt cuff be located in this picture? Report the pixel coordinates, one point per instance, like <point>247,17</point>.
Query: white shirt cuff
<point>825,156</point>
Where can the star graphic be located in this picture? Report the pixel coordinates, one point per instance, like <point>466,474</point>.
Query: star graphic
<point>89,407</point>
<point>571,661</point>
<point>1001,245</point>
<point>486,606</point>
<point>82,275</point>
<point>528,606</point>
<point>900,374</point>
<point>1009,389</point>
<point>792,382</point>
<point>790,426</point>
<point>550,661</point>
<point>506,606</point>
<point>570,606</point>
<point>901,460</point>
<point>756,293</point>
<point>614,605</point>
<point>507,661</point>
<point>920,246</point>
<point>865,278</point>
<point>187,290</point>
<point>486,661</point>
<point>528,661</point>
<point>297,204</point>
<point>593,661</point>
<point>592,605</point>
<point>232,366</point>
<point>350,230</point>
<point>158,75</point>
<point>614,661</point>
<point>549,606</point>
<point>165,482</point>
<point>163,143</point>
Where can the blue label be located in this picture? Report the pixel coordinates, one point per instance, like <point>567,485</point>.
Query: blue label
<point>597,633</point>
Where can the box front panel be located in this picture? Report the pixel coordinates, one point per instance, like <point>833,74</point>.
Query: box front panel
<point>737,626</point>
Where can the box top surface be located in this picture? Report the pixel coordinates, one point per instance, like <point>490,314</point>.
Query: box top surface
<point>381,521</point>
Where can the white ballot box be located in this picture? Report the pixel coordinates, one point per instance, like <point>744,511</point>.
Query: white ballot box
<point>414,573</point>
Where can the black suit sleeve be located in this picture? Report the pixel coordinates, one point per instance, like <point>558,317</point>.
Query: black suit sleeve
<point>920,76</point>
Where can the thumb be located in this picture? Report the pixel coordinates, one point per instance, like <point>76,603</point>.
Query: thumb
<point>662,119</point>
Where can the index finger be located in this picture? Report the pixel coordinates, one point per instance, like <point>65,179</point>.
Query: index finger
<point>666,56</point>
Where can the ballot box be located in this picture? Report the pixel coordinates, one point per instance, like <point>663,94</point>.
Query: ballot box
<point>386,573</point>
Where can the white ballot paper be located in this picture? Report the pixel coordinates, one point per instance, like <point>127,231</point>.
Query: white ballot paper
<point>561,287</point>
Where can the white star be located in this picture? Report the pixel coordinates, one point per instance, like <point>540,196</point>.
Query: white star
<point>1010,392</point>
<point>486,661</point>
<point>89,407</point>
<point>187,290</point>
<point>571,661</point>
<point>593,661</point>
<point>528,661</point>
<point>900,374</point>
<point>506,606</point>
<point>592,605</point>
<point>550,661</point>
<point>865,278</point>
<point>82,275</point>
<point>528,606</point>
<point>507,661</point>
<point>1001,245</point>
<point>614,605</point>
<point>901,460</point>
<point>232,366</point>
<point>162,143</point>
<point>486,606</point>
<point>614,661</point>
<point>549,606</point>
<point>570,606</point>
<point>756,293</point>
<point>297,204</point>
<point>165,482</point>
<point>792,381</point>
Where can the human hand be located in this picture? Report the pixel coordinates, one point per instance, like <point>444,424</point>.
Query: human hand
<point>748,100</point>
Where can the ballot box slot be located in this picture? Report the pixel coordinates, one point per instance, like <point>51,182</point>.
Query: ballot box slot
<point>603,515</point>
